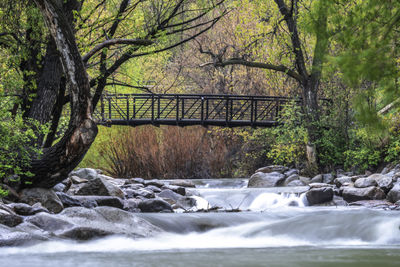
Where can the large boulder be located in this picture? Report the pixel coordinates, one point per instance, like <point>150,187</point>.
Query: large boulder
<point>155,205</point>
<point>385,182</point>
<point>273,168</point>
<point>260,179</point>
<point>317,179</point>
<point>319,195</point>
<point>177,189</point>
<point>343,180</point>
<point>365,182</point>
<point>100,187</point>
<point>351,194</point>
<point>291,178</point>
<point>47,197</point>
<point>8,217</point>
<point>108,201</point>
<point>328,178</point>
<point>295,183</point>
<point>27,210</point>
<point>394,194</point>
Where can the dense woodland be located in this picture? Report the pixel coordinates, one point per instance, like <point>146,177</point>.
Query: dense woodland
<point>61,55</point>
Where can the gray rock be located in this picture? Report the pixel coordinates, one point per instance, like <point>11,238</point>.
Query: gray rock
<point>186,203</point>
<point>291,172</point>
<point>68,201</point>
<point>291,178</point>
<point>135,181</point>
<point>183,183</point>
<point>9,237</point>
<point>394,194</point>
<point>305,180</point>
<point>273,168</point>
<point>78,180</point>
<point>8,218</point>
<point>295,183</point>
<point>319,195</point>
<point>84,233</point>
<point>177,189</point>
<point>385,182</point>
<point>85,173</point>
<point>102,201</point>
<point>365,182</point>
<point>156,183</point>
<point>317,179</point>
<point>153,188</point>
<point>100,187</point>
<point>377,204</point>
<point>351,194</point>
<point>261,179</point>
<point>59,187</point>
<point>327,178</point>
<point>341,180</point>
<point>169,194</point>
<point>129,193</point>
<point>146,193</point>
<point>155,205</point>
<point>133,186</point>
<point>319,185</point>
<point>47,197</point>
<point>132,205</point>
<point>27,210</point>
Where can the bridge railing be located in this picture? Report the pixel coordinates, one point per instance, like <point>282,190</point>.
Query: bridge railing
<point>186,109</point>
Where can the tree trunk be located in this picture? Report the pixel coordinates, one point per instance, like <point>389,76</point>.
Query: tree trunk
<point>57,161</point>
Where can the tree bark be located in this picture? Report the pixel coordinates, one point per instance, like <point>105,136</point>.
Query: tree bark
<point>57,161</point>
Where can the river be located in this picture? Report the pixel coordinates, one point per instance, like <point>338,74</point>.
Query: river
<point>277,229</point>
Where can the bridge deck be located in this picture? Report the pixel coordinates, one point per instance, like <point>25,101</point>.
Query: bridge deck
<point>186,110</point>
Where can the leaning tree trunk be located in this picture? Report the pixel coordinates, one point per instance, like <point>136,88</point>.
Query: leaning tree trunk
<point>57,161</point>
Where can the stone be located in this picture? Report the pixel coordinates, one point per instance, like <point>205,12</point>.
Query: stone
<point>78,180</point>
<point>47,197</point>
<point>129,193</point>
<point>84,233</point>
<point>394,194</point>
<point>385,182</point>
<point>155,205</point>
<point>153,188</point>
<point>156,183</point>
<point>341,180</point>
<point>273,168</point>
<point>132,205</point>
<point>135,181</point>
<point>9,218</point>
<point>295,183</point>
<point>100,187</point>
<point>351,194</point>
<point>27,210</point>
<point>260,179</point>
<point>365,182</point>
<point>319,195</point>
<point>291,178</point>
<point>327,178</point>
<point>177,189</point>
<point>291,172</point>
<point>133,186</point>
<point>183,183</point>
<point>108,201</point>
<point>319,185</point>
<point>305,180</point>
<point>85,173</point>
<point>317,179</point>
<point>12,193</point>
<point>59,187</point>
<point>68,201</point>
<point>186,203</point>
<point>169,194</point>
<point>146,193</point>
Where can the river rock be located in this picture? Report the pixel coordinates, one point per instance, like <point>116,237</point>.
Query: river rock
<point>84,233</point>
<point>9,218</point>
<point>100,187</point>
<point>385,182</point>
<point>327,178</point>
<point>85,173</point>
<point>10,237</point>
<point>183,183</point>
<point>291,172</point>
<point>155,205</point>
<point>153,188</point>
<point>101,201</point>
<point>78,180</point>
<point>68,201</point>
<point>60,187</point>
<point>295,183</point>
<point>27,210</point>
<point>319,195</point>
<point>145,193</point>
<point>305,180</point>
<point>365,182</point>
<point>317,179</point>
<point>47,197</point>
<point>177,189</point>
<point>135,181</point>
<point>291,178</point>
<point>380,204</point>
<point>132,205</point>
<point>351,194</point>
<point>394,194</point>
<point>341,180</point>
<point>154,182</point>
<point>260,179</point>
<point>169,194</point>
<point>273,168</point>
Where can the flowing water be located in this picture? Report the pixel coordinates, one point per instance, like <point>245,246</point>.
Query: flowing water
<point>276,229</point>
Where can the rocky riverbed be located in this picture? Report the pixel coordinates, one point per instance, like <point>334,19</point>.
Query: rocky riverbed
<point>91,205</point>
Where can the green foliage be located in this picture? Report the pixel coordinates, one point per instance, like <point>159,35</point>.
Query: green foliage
<point>16,137</point>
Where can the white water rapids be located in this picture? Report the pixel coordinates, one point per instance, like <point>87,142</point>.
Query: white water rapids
<point>272,226</point>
